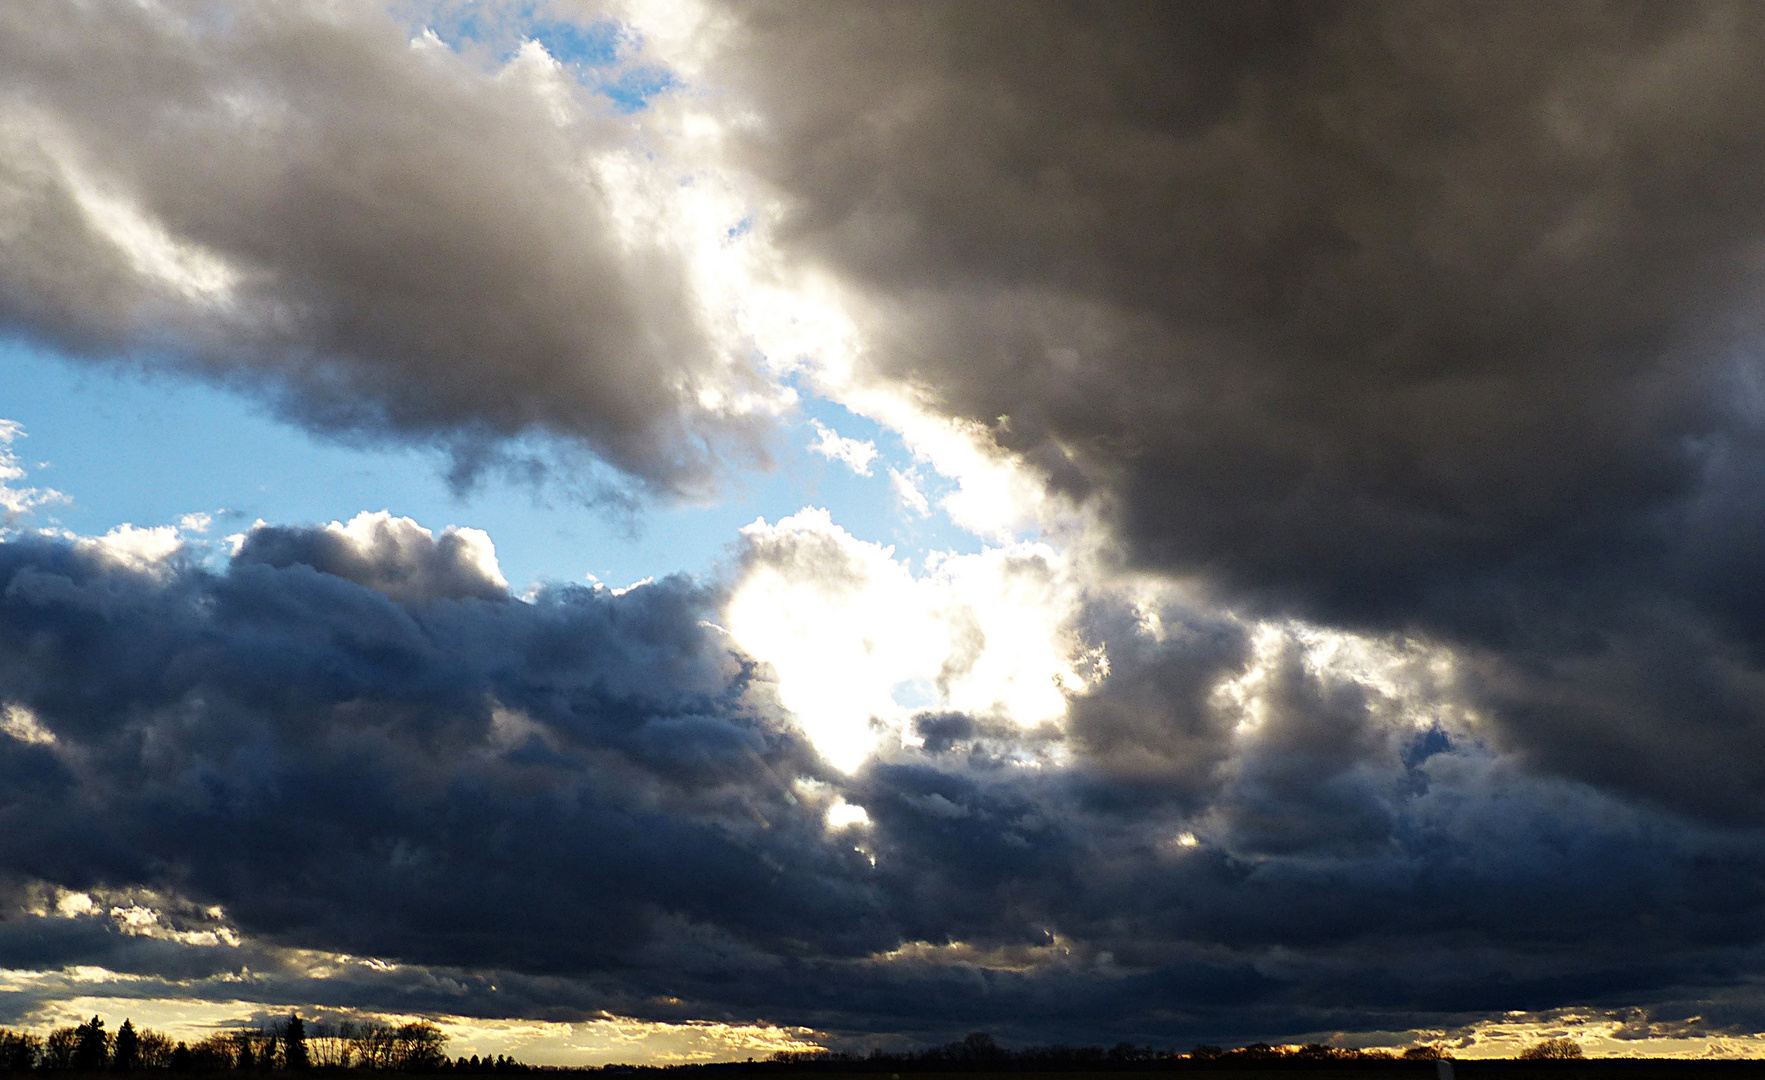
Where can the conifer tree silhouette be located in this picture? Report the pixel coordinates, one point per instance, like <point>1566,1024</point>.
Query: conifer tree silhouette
<point>294,1043</point>
<point>127,1053</point>
<point>91,1046</point>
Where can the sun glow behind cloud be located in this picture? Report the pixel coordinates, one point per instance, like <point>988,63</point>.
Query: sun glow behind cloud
<point>860,642</point>
<point>681,282</point>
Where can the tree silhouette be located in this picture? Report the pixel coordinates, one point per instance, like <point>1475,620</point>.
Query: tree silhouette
<point>19,1051</point>
<point>153,1049</point>
<point>1552,1050</point>
<point>294,1043</point>
<point>213,1054</point>
<point>92,1046</point>
<point>58,1048</point>
<point>419,1047</point>
<point>978,1044</point>
<point>127,1054</point>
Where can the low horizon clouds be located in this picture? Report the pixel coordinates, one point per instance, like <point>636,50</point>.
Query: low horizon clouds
<point>1358,404</point>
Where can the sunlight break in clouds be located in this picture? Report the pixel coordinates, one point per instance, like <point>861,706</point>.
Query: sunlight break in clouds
<point>860,642</point>
<point>1365,613</point>
<point>752,295</point>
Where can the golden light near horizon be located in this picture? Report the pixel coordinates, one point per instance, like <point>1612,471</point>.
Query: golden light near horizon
<point>659,531</point>
<point>604,1040</point>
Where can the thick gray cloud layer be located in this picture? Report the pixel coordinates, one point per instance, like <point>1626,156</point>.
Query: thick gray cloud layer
<point>1434,317</point>
<point>1407,318</point>
<point>584,801</point>
<point>381,236</point>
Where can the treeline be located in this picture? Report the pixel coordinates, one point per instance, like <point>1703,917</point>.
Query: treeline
<point>287,1045</point>
<point>978,1052</point>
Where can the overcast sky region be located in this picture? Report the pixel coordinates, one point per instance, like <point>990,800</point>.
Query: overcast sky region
<point>664,530</point>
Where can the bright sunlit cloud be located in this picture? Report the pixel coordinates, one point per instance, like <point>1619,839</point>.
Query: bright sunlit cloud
<point>22,724</point>
<point>144,551</point>
<point>184,268</point>
<point>860,642</point>
<point>844,815</point>
<point>853,453</point>
<point>1108,395</point>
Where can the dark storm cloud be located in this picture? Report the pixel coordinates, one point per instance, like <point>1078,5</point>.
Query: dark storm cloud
<point>1414,319</point>
<point>323,757</point>
<point>584,802</point>
<point>1435,317</point>
<point>1150,728</point>
<point>379,235</point>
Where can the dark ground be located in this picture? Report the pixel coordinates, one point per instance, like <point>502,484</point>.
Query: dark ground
<point>1589,1069</point>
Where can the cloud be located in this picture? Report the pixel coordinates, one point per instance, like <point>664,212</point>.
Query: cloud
<point>383,237</point>
<point>144,551</point>
<point>1386,317</point>
<point>20,723</point>
<point>328,722</point>
<point>1400,357</point>
<point>850,631</point>
<point>831,445</point>
<point>270,782</point>
<point>393,556</point>
<point>15,502</point>
<point>907,492</point>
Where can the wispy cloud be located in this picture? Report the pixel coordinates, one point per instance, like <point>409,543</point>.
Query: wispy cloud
<point>16,500</point>
<point>906,488</point>
<point>833,446</point>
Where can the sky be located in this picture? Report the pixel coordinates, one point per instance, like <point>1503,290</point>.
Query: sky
<point>655,532</point>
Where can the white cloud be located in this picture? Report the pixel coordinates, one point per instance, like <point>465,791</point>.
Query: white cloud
<point>831,445</point>
<point>907,491</point>
<point>15,502</point>
<point>638,584</point>
<point>373,533</point>
<point>144,551</point>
